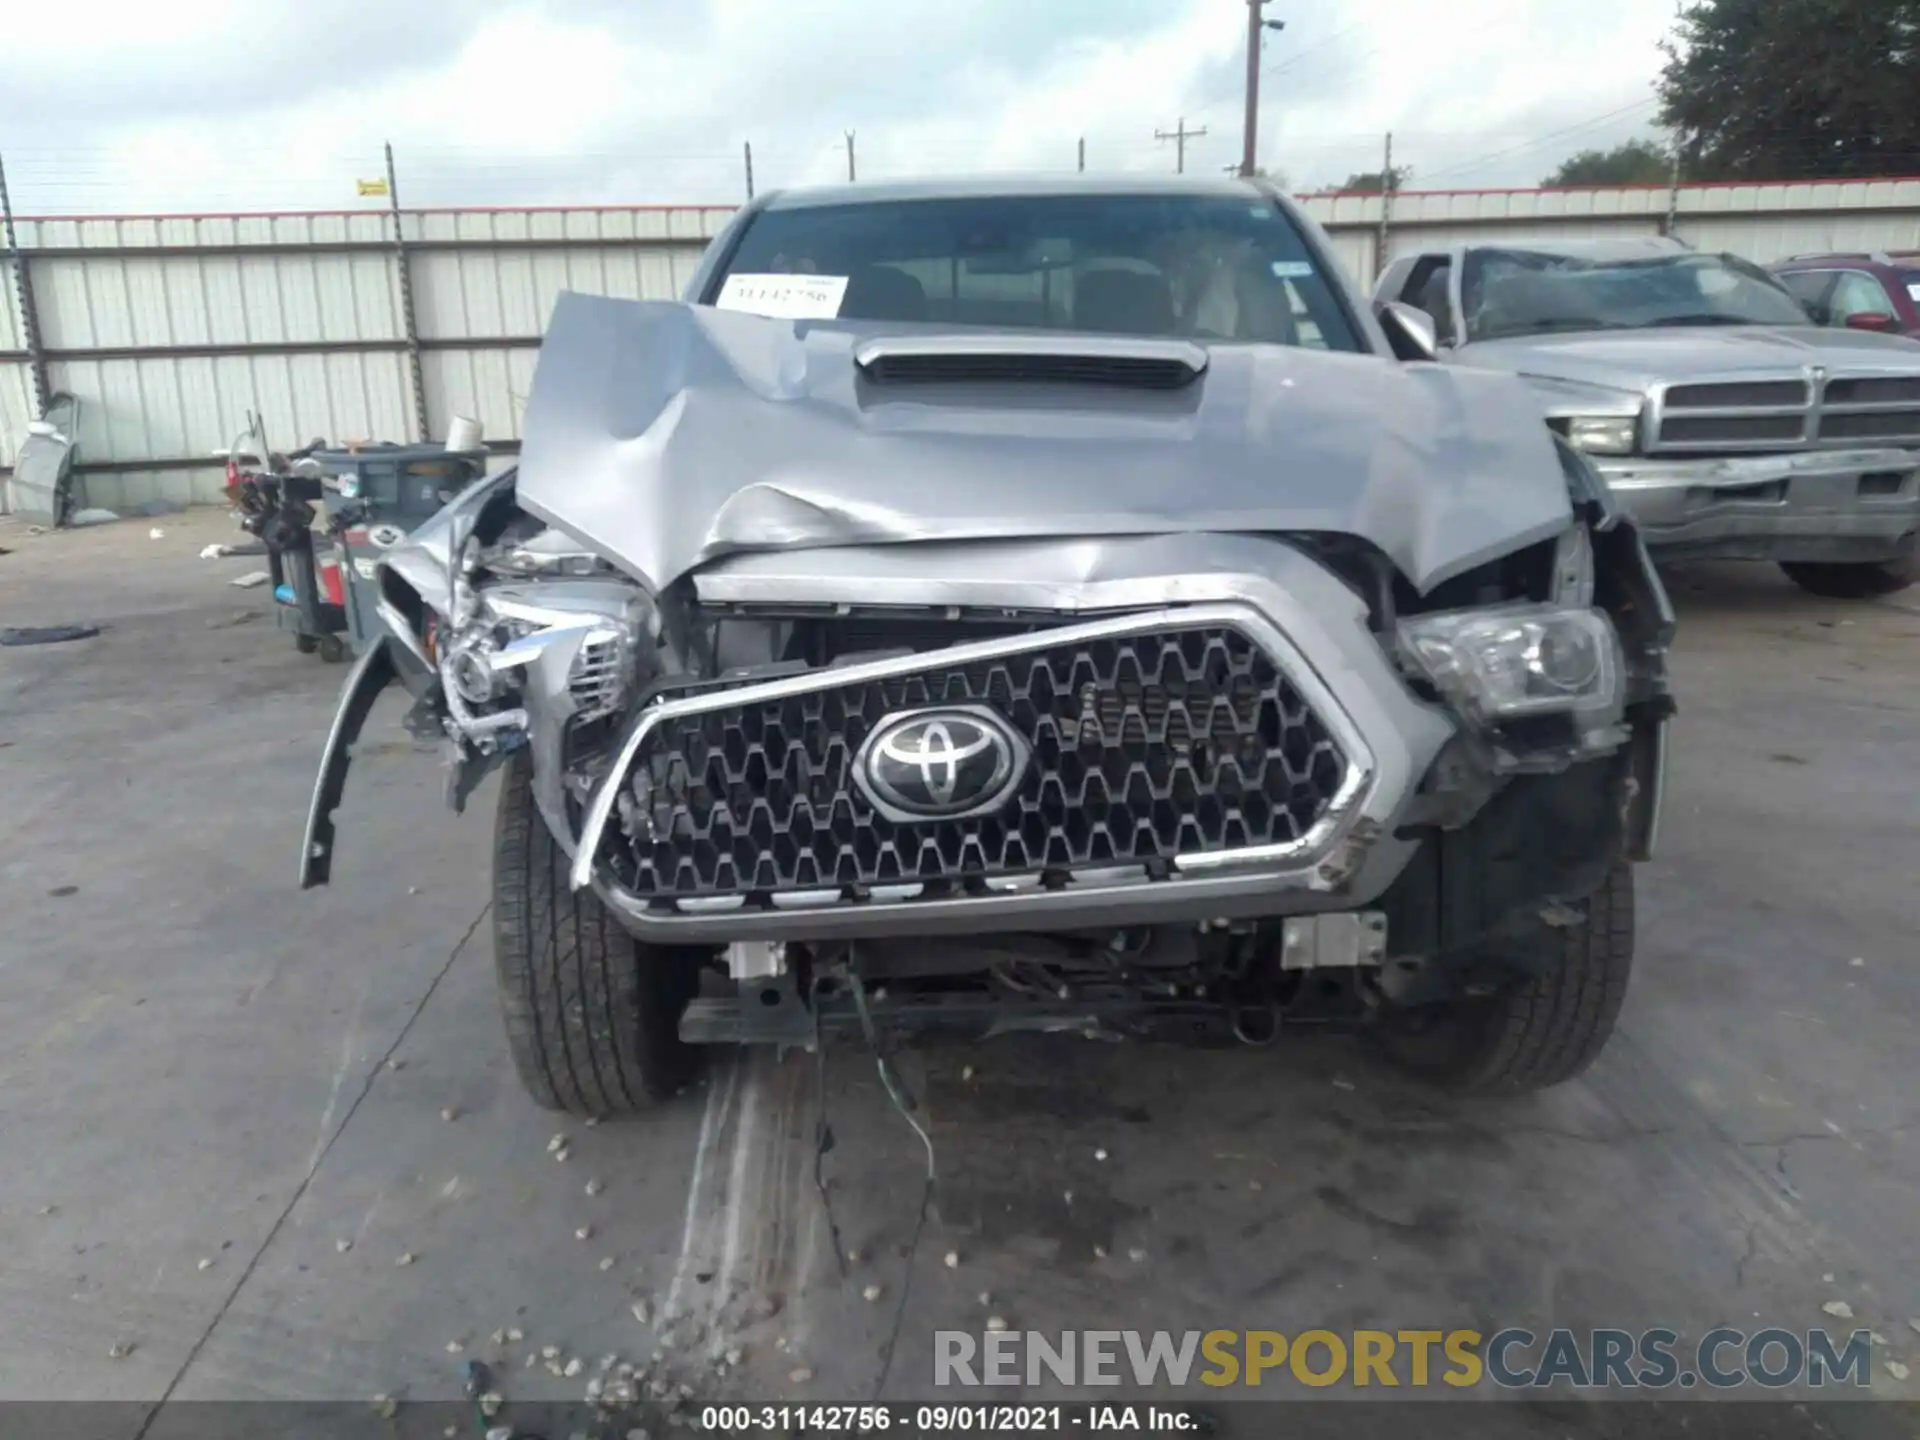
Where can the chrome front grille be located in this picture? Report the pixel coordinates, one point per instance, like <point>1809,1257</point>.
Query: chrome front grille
<point>1799,413</point>
<point>1147,748</point>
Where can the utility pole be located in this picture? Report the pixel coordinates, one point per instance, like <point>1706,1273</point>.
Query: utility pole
<point>1386,210</point>
<point>1180,136</point>
<point>23,297</point>
<point>1250,137</point>
<point>1083,154</point>
<point>746,149</point>
<point>850,174</point>
<point>1673,190</point>
<point>410,326</point>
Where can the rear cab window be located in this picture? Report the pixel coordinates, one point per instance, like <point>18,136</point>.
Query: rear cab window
<point>1208,268</point>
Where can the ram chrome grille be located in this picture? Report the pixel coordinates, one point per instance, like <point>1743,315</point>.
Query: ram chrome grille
<point>596,682</point>
<point>1800,413</point>
<point>1146,746</point>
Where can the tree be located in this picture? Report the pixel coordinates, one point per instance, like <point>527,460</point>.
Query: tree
<point>1367,182</point>
<point>1794,89</point>
<point>1638,162</point>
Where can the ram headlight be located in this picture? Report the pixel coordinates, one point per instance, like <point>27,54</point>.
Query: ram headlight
<point>1604,434</point>
<point>1518,662</point>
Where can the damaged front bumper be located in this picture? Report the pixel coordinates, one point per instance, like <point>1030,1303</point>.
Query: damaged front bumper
<point>1309,625</point>
<point>1836,505</point>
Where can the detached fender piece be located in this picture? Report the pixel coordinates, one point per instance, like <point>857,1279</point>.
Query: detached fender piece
<point>371,674</point>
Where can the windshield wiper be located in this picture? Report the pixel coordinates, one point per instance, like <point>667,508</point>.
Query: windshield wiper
<point>1666,320</point>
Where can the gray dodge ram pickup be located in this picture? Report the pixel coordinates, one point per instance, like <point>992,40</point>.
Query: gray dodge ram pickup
<point>1024,606</point>
<point>1726,422</point>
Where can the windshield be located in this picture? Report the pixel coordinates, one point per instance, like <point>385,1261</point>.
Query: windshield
<point>1194,266</point>
<point>1529,292</point>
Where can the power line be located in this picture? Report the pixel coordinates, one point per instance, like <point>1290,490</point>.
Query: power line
<point>1180,136</point>
<point>1547,139</point>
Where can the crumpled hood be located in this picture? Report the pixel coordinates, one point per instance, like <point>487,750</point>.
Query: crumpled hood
<point>664,435</point>
<point>1635,359</point>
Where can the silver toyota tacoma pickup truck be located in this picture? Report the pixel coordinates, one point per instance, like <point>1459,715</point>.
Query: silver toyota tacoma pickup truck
<point>1725,421</point>
<point>1032,606</point>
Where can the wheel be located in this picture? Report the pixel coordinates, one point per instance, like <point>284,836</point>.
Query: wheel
<point>592,1015</point>
<point>306,644</point>
<point>1545,1029</point>
<point>1856,581</point>
<point>332,649</point>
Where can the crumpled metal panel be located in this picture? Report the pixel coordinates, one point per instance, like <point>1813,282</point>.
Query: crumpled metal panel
<point>665,435</point>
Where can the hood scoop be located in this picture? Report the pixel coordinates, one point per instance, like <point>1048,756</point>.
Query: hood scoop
<point>1125,362</point>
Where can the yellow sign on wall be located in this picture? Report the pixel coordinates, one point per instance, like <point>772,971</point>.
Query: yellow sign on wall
<point>372,187</point>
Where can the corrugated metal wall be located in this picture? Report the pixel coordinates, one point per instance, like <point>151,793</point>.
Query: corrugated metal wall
<point>170,329</point>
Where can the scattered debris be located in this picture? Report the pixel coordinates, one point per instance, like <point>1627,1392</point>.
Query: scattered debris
<point>343,1246</point>
<point>642,1312</point>
<point>870,1294</point>
<point>1137,1256</point>
<point>853,1256</point>
<point>1100,1154</point>
<point>734,1356</point>
<point>46,634</point>
<point>1068,1197</point>
<point>1827,1278</point>
<point>996,1323</point>
<point>413,889</point>
<point>500,1432</point>
<point>406,1258</point>
<point>572,1368</point>
<point>54,1209</point>
<point>251,580</point>
<point>386,1406</point>
<point>590,1121</point>
<point>986,1297</point>
<point>966,1072</point>
<point>606,1262</point>
<point>499,1338</point>
<point>1875,1337</point>
<point>594,1187</point>
<point>214,552</point>
<point>800,1375</point>
<point>515,1333</point>
<point>560,1155</point>
<point>953,1259</point>
<point>1340,1082</point>
<point>607,1362</point>
<point>1858,962</point>
<point>1839,1309</point>
<point>156,533</point>
<point>1897,1370</point>
<point>120,1349</point>
<point>454,1347</point>
<point>448,1112</point>
<point>205,1263</point>
<point>1099,1252</point>
<point>549,1352</point>
<point>396,1064</point>
<point>558,1142</point>
<point>585,1232</point>
<point>1255,1185</point>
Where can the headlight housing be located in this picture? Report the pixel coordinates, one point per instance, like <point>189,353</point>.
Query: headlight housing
<point>1515,663</point>
<point>1604,434</point>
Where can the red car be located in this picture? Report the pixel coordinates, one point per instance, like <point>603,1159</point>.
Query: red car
<point>1878,291</point>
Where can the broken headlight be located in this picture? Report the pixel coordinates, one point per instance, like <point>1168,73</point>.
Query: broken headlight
<point>1517,662</point>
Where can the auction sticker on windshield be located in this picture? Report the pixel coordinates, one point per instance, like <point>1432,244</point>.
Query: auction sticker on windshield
<point>784,297</point>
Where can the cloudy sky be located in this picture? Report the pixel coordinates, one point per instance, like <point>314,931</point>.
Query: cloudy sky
<point>184,105</point>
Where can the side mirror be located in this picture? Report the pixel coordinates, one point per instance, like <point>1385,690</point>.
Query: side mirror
<point>1411,333</point>
<point>1885,324</point>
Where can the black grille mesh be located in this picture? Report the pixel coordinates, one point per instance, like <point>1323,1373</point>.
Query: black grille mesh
<point>1146,746</point>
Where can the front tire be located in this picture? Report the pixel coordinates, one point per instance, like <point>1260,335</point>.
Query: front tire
<point>1543,1030</point>
<point>592,1015</point>
<point>1866,581</point>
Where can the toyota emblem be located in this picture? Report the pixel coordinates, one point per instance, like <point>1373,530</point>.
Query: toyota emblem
<point>940,764</point>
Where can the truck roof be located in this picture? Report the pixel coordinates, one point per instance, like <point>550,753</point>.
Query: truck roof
<point>976,187</point>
